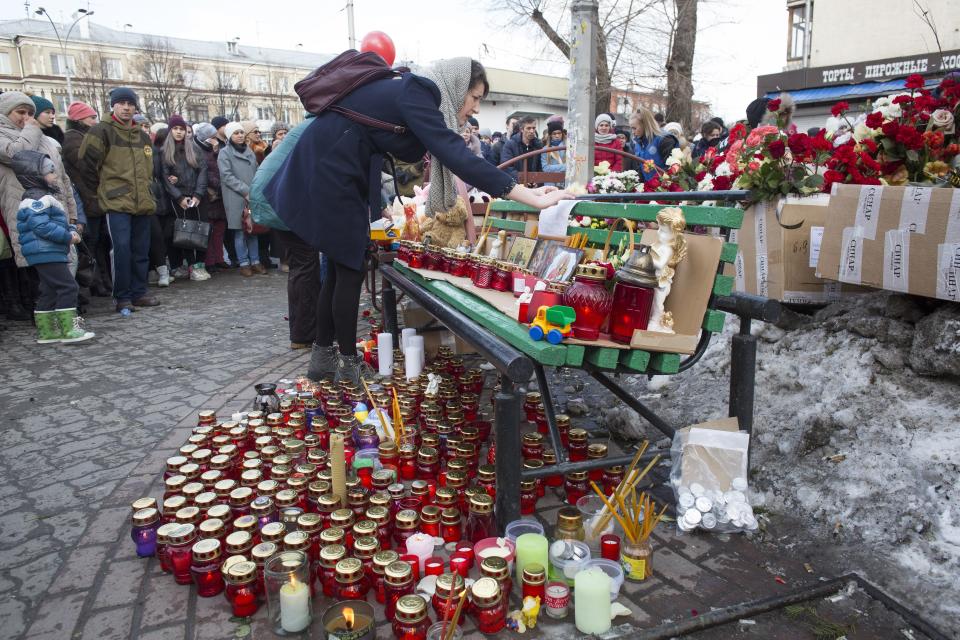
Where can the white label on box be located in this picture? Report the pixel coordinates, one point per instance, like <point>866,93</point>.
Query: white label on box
<point>953,219</point>
<point>760,220</point>
<point>831,291</point>
<point>739,281</point>
<point>851,255</point>
<point>816,239</point>
<point>803,297</point>
<point>913,209</point>
<point>948,272</point>
<point>868,210</point>
<point>896,260</point>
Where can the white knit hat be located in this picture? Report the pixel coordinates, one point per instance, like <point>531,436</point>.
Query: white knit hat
<point>231,128</point>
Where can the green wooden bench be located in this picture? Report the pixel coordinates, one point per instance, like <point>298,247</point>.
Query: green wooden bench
<point>506,343</point>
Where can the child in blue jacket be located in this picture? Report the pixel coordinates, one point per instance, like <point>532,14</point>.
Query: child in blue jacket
<point>45,239</point>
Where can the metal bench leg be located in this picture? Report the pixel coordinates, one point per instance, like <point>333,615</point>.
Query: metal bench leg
<point>390,311</point>
<point>743,367</point>
<point>509,462</point>
<point>550,413</point>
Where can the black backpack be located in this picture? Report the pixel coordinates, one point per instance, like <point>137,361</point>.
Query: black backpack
<point>326,85</point>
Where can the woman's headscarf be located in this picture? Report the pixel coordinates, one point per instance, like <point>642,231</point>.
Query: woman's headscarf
<point>453,79</point>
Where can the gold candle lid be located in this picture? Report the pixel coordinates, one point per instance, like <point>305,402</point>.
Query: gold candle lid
<point>481,503</point>
<point>448,582</point>
<point>380,515</point>
<point>495,567</point>
<point>349,570</point>
<point>296,541</point>
<point>164,531</point>
<point>143,503</point>
<point>446,496</point>
<point>241,573</point>
<point>268,488</point>
<point>188,515</point>
<point>246,523</point>
<point>364,528</point>
<point>383,559</point>
<point>407,519</point>
<point>341,518</point>
<point>534,573</point>
<point>450,516</point>
<point>238,542</point>
<point>486,592</point>
<point>181,534</point>
<point>430,514</point>
<point>578,435</point>
<point>569,518</point>
<point>398,573</point>
<point>366,546</point>
<point>263,551</point>
<point>211,528</point>
<point>411,608</point>
<point>597,451</point>
<point>331,554</point>
<point>273,532</point>
<point>333,535</point>
<point>309,522</point>
<point>146,516</point>
<point>577,476</point>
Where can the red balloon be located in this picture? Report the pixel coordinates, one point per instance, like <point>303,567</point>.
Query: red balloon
<point>381,44</point>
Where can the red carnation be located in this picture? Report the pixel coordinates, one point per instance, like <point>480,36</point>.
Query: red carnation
<point>839,108</point>
<point>891,128</point>
<point>722,183</point>
<point>903,100</point>
<point>777,149</point>
<point>799,144</point>
<point>914,81</point>
<point>737,132</point>
<point>870,145</point>
<point>875,120</point>
<point>773,105</point>
<point>820,142</point>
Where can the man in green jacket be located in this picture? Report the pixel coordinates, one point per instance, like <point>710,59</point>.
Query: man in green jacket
<point>116,157</point>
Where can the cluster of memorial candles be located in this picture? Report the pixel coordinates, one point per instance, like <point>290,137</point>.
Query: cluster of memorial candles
<point>252,508</point>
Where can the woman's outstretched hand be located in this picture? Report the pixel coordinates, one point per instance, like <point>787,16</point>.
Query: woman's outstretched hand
<point>541,197</point>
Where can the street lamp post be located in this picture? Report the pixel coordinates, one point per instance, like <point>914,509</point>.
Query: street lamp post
<point>63,41</point>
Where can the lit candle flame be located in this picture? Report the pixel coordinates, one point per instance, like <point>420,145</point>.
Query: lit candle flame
<point>348,616</point>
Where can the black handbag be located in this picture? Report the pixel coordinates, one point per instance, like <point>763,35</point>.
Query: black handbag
<point>188,233</point>
<point>87,271</point>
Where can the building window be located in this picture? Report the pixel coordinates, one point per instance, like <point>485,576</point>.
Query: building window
<point>61,103</point>
<point>60,64</point>
<point>797,37</point>
<point>190,77</point>
<point>112,68</point>
<point>258,83</point>
<point>228,80</point>
<point>198,113</point>
<point>284,84</point>
<point>4,62</point>
<point>264,113</point>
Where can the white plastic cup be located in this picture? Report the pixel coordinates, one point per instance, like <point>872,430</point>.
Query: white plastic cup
<point>385,353</point>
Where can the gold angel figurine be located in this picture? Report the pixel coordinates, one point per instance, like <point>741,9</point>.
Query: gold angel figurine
<point>667,252</point>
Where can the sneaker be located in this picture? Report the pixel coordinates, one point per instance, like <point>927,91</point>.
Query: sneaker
<point>146,301</point>
<point>203,270</point>
<point>246,271</point>
<point>181,272</point>
<point>153,276</point>
<point>299,345</point>
<point>284,267</point>
<point>259,268</point>
<point>48,331</point>
<point>164,279</point>
<point>125,304</point>
<point>196,275</point>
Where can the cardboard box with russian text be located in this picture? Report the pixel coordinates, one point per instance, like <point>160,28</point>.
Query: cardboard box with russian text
<point>904,239</point>
<point>435,335</point>
<point>780,263</point>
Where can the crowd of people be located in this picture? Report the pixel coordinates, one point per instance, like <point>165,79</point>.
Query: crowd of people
<point>98,205</point>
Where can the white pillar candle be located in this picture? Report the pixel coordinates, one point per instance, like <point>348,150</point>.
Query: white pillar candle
<point>294,607</point>
<point>385,353</point>
<point>420,545</point>
<point>591,601</point>
<point>417,343</point>
<point>413,362</point>
<point>404,335</point>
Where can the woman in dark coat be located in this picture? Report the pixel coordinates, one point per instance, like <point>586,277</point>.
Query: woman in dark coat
<point>328,188</point>
<point>184,169</point>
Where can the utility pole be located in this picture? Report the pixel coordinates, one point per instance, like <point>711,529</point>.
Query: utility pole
<point>582,92</point>
<point>351,30</point>
<point>64,41</point>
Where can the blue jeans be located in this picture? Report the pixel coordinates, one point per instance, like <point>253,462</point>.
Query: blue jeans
<point>248,249</point>
<point>130,256</point>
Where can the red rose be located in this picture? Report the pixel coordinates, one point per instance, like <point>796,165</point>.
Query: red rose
<point>839,108</point>
<point>914,81</point>
<point>652,184</point>
<point>709,154</point>
<point>777,149</point>
<point>875,120</point>
<point>700,175</point>
<point>722,183</point>
<point>738,131</point>
<point>799,144</point>
<point>773,105</point>
<point>675,187</point>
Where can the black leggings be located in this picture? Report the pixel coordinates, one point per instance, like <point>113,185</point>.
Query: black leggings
<point>339,307</point>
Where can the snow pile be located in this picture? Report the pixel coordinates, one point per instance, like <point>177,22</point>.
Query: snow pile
<point>850,437</point>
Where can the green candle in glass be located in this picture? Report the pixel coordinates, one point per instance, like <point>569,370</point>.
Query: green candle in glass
<point>531,547</point>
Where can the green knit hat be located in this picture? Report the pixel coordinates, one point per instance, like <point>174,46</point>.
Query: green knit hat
<point>42,104</point>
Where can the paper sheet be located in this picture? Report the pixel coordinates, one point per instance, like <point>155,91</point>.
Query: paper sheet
<point>554,220</point>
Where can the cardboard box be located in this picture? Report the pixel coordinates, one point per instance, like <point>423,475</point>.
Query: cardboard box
<point>416,316</point>
<point>780,263</point>
<point>904,239</point>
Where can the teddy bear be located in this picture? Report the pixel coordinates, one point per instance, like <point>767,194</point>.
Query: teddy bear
<point>446,229</point>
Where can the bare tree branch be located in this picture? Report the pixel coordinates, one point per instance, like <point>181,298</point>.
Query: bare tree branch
<point>548,31</point>
<point>161,70</point>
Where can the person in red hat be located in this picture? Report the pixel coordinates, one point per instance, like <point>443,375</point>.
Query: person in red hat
<point>80,117</point>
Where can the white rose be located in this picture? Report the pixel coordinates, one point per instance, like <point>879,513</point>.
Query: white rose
<point>676,156</point>
<point>861,132</point>
<point>943,120</point>
<point>724,169</point>
<point>706,184</point>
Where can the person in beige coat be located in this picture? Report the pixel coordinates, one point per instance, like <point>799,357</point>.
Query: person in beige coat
<point>19,131</point>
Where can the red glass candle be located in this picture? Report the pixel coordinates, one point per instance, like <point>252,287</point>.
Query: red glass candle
<point>534,581</point>
<point>405,525</point>
<point>612,477</point>
<point>480,523</point>
<point>528,497</point>
<point>497,568</point>
<point>459,564</point>
<point>502,276</point>
<point>180,554</point>
<point>576,486</point>
<point>329,557</point>
<point>445,598</point>
<point>489,606</point>
<point>414,563</point>
<point>381,560</point>
<point>205,568</point>
<point>483,273</point>
<point>610,547</point>
<point>451,525</point>
<point>630,311</point>
<point>589,297</point>
<point>596,451</point>
<point>241,590</point>
<point>550,458</point>
<point>351,582</point>
<point>411,621</point>
<point>433,566</point>
<point>577,447</point>
<point>398,583</point>
<point>430,520</point>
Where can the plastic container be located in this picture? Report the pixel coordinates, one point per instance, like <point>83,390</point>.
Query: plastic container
<point>367,454</point>
<point>519,527</point>
<point>612,569</point>
<point>590,507</point>
<point>566,570</point>
<point>486,543</point>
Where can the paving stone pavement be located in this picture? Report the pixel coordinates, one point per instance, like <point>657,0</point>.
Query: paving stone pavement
<point>86,431</point>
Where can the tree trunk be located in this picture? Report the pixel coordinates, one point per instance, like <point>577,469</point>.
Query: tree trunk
<point>604,88</point>
<point>680,65</point>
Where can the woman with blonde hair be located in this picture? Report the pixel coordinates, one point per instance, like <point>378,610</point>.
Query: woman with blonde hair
<point>649,142</point>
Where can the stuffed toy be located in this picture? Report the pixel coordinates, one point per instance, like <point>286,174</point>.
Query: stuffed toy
<point>446,228</point>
